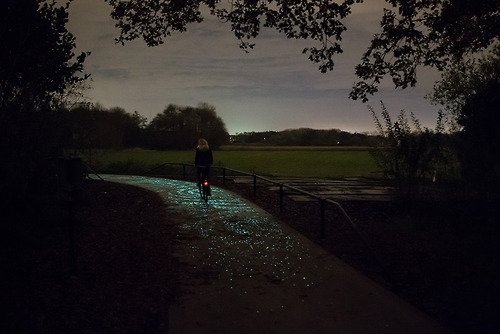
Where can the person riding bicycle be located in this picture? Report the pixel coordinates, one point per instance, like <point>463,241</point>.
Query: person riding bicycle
<point>203,160</point>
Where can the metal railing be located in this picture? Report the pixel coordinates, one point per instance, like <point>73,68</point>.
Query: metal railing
<point>282,186</point>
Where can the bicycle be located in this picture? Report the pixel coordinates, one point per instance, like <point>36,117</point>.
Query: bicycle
<point>204,187</point>
<point>205,191</point>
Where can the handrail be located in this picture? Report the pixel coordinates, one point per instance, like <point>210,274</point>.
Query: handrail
<point>166,163</point>
<point>93,172</point>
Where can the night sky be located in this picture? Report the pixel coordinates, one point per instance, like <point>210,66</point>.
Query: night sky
<point>274,87</point>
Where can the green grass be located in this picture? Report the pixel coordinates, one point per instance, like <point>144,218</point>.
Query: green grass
<point>241,147</point>
<point>321,162</point>
<point>300,163</point>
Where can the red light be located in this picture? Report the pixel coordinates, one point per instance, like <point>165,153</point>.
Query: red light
<point>205,183</point>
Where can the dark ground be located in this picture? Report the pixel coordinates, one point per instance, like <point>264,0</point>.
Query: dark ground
<point>440,256</point>
<point>125,276</point>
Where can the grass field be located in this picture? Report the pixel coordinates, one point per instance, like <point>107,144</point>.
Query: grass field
<point>321,162</point>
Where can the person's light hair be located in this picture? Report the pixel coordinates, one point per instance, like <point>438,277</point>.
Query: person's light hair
<point>202,144</point>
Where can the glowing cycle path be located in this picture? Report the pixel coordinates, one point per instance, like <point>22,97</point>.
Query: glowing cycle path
<point>246,272</point>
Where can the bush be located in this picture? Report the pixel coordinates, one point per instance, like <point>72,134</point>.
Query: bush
<point>406,154</point>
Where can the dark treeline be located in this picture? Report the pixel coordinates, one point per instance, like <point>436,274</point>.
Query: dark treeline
<point>306,137</point>
<point>175,128</point>
<point>179,128</point>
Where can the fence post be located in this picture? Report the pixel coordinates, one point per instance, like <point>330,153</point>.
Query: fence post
<point>322,208</point>
<point>254,185</point>
<point>281,197</point>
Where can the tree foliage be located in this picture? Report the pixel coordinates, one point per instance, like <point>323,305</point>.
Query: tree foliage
<point>181,127</point>
<point>37,61</point>
<point>469,90</point>
<point>479,145</point>
<point>408,153</point>
<point>36,65</point>
<point>92,127</point>
<point>465,78</point>
<point>435,33</point>
<point>320,21</point>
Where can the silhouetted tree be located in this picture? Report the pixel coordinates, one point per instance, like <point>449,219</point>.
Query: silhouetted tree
<point>37,61</point>
<point>81,125</point>
<point>469,92</point>
<point>479,147</point>
<point>464,79</point>
<point>212,127</point>
<point>180,127</point>
<point>436,33</point>
<point>136,131</point>
<point>97,127</point>
<point>36,65</point>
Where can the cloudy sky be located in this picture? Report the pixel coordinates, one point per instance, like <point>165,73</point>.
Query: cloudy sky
<point>274,87</point>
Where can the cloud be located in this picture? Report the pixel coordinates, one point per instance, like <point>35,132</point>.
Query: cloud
<point>112,74</point>
<point>272,87</point>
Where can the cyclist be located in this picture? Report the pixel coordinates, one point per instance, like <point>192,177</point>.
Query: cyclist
<point>203,160</point>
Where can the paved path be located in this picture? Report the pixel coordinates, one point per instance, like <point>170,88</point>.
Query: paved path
<point>247,273</point>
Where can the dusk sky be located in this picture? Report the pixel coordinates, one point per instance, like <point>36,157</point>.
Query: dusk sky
<point>274,87</point>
